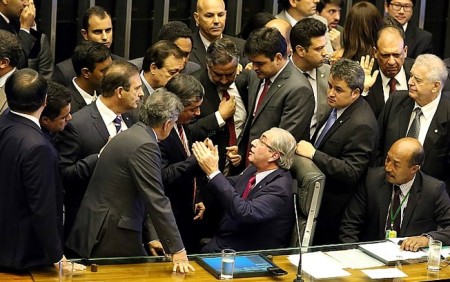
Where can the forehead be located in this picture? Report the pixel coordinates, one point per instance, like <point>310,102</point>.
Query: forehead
<point>318,41</point>
<point>419,71</point>
<point>211,6</point>
<point>398,155</point>
<point>172,62</point>
<point>404,2</point>
<point>259,59</point>
<point>135,80</point>
<point>227,67</point>
<point>96,22</point>
<point>184,43</point>
<point>338,82</point>
<point>331,6</point>
<point>64,111</point>
<point>194,105</point>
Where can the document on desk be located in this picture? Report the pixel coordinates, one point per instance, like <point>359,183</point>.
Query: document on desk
<point>319,265</point>
<point>355,259</point>
<point>390,252</point>
<point>384,273</point>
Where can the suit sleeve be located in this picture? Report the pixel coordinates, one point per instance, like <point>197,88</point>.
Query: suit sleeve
<point>58,76</point>
<point>354,216</point>
<point>27,41</point>
<point>266,205</point>
<point>40,169</point>
<point>442,215</point>
<point>145,171</point>
<point>203,127</point>
<point>73,166</point>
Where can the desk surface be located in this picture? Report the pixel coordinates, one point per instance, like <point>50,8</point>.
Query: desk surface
<point>161,271</point>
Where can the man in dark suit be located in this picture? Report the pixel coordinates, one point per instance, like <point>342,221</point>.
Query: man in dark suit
<point>344,145</point>
<point>90,60</point>
<point>126,193</point>
<point>278,94</point>
<point>97,27</point>
<point>90,129</point>
<point>331,11</point>
<point>17,17</point>
<point>419,41</point>
<point>179,167</point>
<point>10,52</point>
<point>394,68</point>
<point>210,18</point>
<point>258,204</point>
<point>308,42</point>
<point>430,107</point>
<point>30,184</point>
<point>180,34</point>
<point>422,201</point>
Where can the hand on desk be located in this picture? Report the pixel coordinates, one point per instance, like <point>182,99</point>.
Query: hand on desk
<point>156,248</point>
<point>414,243</point>
<point>181,263</point>
<point>67,266</point>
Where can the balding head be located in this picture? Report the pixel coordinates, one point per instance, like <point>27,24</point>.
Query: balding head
<point>403,160</point>
<point>210,18</point>
<point>284,28</point>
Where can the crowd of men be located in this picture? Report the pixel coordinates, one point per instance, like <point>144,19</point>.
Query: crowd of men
<point>195,139</point>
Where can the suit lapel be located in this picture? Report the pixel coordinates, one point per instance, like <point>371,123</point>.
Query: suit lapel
<point>98,122</point>
<point>269,178</point>
<point>384,200</point>
<point>322,90</point>
<point>414,197</point>
<point>404,116</point>
<point>199,50</point>
<point>437,126</point>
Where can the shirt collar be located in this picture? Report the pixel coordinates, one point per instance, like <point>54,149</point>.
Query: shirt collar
<point>146,84</point>
<point>29,117</point>
<point>4,17</point>
<point>273,78</point>
<point>261,175</point>
<point>6,76</point>
<point>429,109</point>
<point>405,187</point>
<point>290,19</point>
<point>107,114</point>
<point>88,98</point>
<point>205,41</point>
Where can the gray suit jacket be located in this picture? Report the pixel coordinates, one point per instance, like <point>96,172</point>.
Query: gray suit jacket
<point>125,192</point>
<point>322,91</point>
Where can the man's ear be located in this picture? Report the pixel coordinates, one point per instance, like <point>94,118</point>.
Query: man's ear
<point>84,34</point>
<point>85,73</point>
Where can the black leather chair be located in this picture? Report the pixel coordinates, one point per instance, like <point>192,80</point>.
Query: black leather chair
<point>308,185</point>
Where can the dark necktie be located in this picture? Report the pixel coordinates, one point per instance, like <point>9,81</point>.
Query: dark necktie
<point>183,142</point>
<point>263,93</point>
<point>392,86</point>
<point>414,129</point>
<point>230,123</point>
<point>392,212</point>
<point>330,122</point>
<point>118,123</point>
<point>249,186</point>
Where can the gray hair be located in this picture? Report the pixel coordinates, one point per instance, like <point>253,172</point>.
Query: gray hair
<point>350,72</point>
<point>161,106</point>
<point>284,144</point>
<point>436,69</point>
<point>222,51</point>
<point>187,88</point>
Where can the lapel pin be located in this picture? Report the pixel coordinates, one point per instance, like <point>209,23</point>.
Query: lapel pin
<point>435,131</point>
<point>322,75</point>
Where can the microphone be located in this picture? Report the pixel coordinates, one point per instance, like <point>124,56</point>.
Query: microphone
<point>298,277</point>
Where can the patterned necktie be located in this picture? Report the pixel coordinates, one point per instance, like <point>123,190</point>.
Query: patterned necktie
<point>414,129</point>
<point>230,123</point>
<point>118,123</point>
<point>3,102</point>
<point>392,86</point>
<point>263,94</point>
<point>183,141</point>
<point>393,210</point>
<point>249,186</point>
<point>330,122</point>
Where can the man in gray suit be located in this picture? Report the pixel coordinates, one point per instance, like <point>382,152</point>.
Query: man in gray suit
<point>308,42</point>
<point>126,196</point>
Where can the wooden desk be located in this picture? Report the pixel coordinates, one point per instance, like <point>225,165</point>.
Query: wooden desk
<point>161,271</point>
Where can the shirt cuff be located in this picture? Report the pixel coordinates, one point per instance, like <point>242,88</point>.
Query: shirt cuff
<point>219,119</point>
<point>365,94</point>
<point>212,175</point>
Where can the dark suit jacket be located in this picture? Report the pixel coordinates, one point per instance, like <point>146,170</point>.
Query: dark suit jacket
<point>77,102</point>
<point>262,221</point>
<point>343,156</point>
<point>205,125</point>
<point>375,97</point>
<point>26,39</point>
<point>31,196</point>
<point>79,144</point>
<point>124,194</point>
<point>289,104</point>
<point>198,53</point>
<point>419,41</point>
<point>394,121</point>
<point>64,72</point>
<point>427,209</point>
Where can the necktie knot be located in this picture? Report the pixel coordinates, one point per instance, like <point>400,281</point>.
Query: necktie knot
<point>414,128</point>
<point>397,190</point>
<point>249,186</point>
<point>330,121</point>
<point>225,94</point>
<point>118,123</point>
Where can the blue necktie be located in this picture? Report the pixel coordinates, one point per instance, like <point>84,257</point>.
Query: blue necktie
<point>330,121</point>
<point>118,123</point>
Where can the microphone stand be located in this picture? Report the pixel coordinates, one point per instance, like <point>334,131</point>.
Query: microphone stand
<point>298,277</point>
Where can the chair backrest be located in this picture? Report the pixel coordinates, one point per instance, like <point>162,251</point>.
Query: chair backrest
<point>308,184</point>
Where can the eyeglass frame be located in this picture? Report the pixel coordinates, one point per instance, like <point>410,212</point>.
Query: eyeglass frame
<point>397,7</point>
<point>268,146</point>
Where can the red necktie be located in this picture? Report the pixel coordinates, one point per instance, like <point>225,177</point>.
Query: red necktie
<point>263,93</point>
<point>249,186</point>
<point>230,123</point>
<point>392,86</point>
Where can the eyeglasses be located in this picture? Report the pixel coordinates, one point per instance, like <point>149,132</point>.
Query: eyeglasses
<point>398,6</point>
<point>268,146</point>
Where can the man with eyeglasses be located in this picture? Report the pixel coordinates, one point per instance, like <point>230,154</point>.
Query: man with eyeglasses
<point>258,204</point>
<point>419,41</point>
<point>394,68</point>
<point>125,202</point>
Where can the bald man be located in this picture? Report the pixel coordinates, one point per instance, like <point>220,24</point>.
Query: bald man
<point>210,18</point>
<point>421,199</point>
<point>284,27</point>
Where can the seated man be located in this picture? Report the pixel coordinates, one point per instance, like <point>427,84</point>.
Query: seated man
<point>258,201</point>
<point>422,200</point>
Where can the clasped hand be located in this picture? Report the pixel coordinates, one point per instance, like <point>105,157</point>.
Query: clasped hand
<point>207,156</point>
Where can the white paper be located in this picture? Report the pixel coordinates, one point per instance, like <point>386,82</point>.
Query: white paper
<point>355,259</point>
<point>384,273</point>
<point>390,251</point>
<point>313,264</point>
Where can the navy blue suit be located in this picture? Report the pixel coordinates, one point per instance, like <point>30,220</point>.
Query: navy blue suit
<point>262,221</point>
